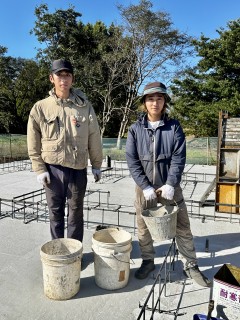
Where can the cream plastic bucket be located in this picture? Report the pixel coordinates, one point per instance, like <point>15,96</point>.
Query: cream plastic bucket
<point>161,222</point>
<point>61,263</point>
<point>111,249</point>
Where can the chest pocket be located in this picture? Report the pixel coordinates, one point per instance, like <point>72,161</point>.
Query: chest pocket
<point>50,128</point>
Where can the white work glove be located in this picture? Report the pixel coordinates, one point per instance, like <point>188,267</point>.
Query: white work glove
<point>44,178</point>
<point>149,193</point>
<point>97,174</point>
<point>167,191</point>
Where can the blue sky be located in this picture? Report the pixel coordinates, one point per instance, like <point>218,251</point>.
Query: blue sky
<point>191,16</point>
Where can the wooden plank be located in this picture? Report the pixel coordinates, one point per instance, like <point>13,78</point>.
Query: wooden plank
<point>227,197</point>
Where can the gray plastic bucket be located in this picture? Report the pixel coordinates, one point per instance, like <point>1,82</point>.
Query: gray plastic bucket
<point>161,222</point>
<point>61,263</point>
<point>111,249</point>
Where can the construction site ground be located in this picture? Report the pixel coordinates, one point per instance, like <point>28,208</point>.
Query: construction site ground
<point>21,279</point>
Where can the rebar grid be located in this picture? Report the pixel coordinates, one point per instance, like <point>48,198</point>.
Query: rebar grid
<point>32,206</point>
<point>9,166</point>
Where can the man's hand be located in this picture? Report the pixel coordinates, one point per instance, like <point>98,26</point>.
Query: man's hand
<point>149,193</point>
<point>44,178</point>
<point>97,174</point>
<point>166,191</point>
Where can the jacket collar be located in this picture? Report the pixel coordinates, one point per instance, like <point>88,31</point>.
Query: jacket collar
<point>76,96</point>
<point>143,120</point>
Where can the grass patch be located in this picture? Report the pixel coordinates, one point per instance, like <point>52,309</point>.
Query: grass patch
<point>199,150</point>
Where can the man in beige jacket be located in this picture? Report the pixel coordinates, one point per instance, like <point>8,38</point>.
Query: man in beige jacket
<point>62,133</point>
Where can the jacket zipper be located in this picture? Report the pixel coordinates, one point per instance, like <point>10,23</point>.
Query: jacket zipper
<point>154,156</point>
<point>64,128</point>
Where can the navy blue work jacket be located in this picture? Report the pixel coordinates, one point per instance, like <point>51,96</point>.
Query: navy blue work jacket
<point>156,157</point>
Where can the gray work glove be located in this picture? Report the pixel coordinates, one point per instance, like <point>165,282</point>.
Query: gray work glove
<point>97,174</point>
<point>44,178</point>
<point>149,193</point>
<point>166,191</point>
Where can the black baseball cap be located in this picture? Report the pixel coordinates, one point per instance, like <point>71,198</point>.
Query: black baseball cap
<point>60,64</point>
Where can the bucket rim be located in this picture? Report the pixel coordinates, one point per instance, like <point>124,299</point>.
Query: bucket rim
<point>107,230</point>
<point>145,213</point>
<point>61,256</point>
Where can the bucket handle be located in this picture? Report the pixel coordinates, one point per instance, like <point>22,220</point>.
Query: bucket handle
<point>114,255</point>
<point>176,203</point>
<point>158,192</point>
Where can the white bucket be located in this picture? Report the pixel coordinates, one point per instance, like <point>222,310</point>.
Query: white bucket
<point>111,249</point>
<point>161,222</point>
<point>61,263</point>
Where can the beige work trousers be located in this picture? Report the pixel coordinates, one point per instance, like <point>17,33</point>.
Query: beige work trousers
<point>184,237</point>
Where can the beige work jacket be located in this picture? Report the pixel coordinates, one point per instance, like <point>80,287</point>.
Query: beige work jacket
<point>64,132</point>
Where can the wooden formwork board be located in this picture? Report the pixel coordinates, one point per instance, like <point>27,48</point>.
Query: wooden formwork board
<point>227,197</point>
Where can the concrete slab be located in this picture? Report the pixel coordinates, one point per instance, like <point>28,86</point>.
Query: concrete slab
<point>21,282</point>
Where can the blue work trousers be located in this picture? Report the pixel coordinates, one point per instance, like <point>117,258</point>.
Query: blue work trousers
<point>69,185</point>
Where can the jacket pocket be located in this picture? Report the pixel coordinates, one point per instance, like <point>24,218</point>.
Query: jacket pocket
<point>49,152</point>
<point>166,156</point>
<point>146,157</point>
<point>50,128</point>
<point>81,159</point>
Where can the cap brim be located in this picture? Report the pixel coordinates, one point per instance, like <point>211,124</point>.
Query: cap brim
<point>61,69</point>
<point>167,97</point>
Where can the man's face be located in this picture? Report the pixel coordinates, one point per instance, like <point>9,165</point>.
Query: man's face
<point>62,80</point>
<point>154,104</point>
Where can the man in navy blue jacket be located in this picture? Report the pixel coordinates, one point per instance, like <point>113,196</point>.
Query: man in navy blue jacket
<point>156,156</point>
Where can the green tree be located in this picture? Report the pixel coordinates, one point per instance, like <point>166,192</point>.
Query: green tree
<point>113,62</point>
<point>108,78</point>
<point>57,33</point>
<point>32,84</point>
<point>21,86</point>
<point>212,85</point>
<point>96,51</point>
<point>9,72</point>
<point>157,50</point>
